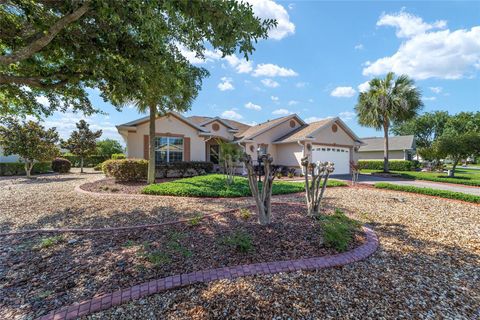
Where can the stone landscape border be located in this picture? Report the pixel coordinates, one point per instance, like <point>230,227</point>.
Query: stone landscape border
<point>108,300</point>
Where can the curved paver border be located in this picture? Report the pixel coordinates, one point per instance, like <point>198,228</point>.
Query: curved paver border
<point>108,300</point>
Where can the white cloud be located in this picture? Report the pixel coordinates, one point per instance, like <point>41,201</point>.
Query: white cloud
<point>346,115</point>
<point>209,55</point>
<point>291,6</point>
<point>232,114</point>
<point>272,70</point>
<point>253,106</point>
<point>274,98</point>
<point>292,102</point>
<point>240,65</point>
<point>359,47</point>
<point>270,83</point>
<point>281,112</point>
<point>43,100</point>
<point>362,87</point>
<point>310,100</point>
<point>315,119</point>
<point>429,98</point>
<point>301,84</point>
<point>428,52</point>
<point>343,92</point>
<point>408,25</point>
<point>436,90</point>
<point>226,84</point>
<point>268,9</point>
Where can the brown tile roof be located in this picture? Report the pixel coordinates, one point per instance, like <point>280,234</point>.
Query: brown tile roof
<point>256,129</point>
<point>303,132</point>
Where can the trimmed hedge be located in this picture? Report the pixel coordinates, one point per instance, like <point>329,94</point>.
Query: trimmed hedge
<point>126,169</point>
<point>90,161</point>
<point>18,168</point>
<point>118,156</point>
<point>393,165</point>
<point>429,191</point>
<point>183,169</point>
<point>61,165</point>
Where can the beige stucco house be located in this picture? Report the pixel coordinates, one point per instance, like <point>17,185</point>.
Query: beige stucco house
<point>399,148</point>
<point>287,139</point>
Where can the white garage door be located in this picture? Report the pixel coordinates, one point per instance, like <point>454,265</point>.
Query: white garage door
<point>339,156</point>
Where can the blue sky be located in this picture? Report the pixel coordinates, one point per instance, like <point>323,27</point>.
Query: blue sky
<point>321,52</point>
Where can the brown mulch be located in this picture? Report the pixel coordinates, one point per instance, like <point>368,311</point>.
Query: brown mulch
<point>109,185</point>
<point>37,279</point>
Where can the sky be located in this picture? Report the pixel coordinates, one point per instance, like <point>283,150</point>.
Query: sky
<point>322,54</point>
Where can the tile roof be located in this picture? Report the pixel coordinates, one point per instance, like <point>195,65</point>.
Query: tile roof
<point>394,143</point>
<point>242,127</point>
<point>303,132</point>
<point>259,128</point>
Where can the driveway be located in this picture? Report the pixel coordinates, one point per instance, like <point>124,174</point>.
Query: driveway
<point>369,179</point>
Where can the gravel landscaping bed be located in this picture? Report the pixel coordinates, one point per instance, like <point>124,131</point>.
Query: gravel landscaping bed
<point>46,272</point>
<point>109,185</point>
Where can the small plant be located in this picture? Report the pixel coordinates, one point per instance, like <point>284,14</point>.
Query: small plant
<point>338,230</point>
<point>46,243</point>
<point>195,220</point>
<point>279,175</point>
<point>240,240</point>
<point>177,247</point>
<point>129,244</point>
<point>291,175</point>
<point>245,214</point>
<point>157,258</point>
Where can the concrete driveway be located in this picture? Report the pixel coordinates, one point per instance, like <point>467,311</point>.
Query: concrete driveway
<point>369,179</point>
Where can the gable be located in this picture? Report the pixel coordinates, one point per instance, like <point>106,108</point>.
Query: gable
<point>333,133</point>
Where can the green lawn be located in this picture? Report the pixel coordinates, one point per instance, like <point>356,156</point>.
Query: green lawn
<point>429,191</point>
<point>468,177</point>
<point>213,185</point>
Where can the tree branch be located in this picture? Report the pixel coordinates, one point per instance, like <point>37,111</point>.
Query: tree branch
<point>35,81</point>
<point>46,38</point>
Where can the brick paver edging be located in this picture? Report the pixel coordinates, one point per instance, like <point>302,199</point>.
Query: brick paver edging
<point>108,300</point>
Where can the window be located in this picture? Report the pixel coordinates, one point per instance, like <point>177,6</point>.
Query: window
<point>262,149</point>
<point>168,149</point>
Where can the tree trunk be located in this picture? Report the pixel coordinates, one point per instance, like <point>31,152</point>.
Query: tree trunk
<point>28,169</point>
<point>151,148</point>
<point>385,148</point>
<point>454,166</point>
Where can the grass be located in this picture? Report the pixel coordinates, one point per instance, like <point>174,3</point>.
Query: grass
<point>213,185</point>
<point>431,192</point>
<point>239,240</point>
<point>338,230</point>
<point>49,242</point>
<point>462,176</point>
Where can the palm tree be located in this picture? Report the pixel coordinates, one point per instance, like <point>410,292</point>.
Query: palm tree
<point>388,100</point>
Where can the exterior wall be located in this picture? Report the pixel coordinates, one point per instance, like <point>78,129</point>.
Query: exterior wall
<point>378,155</point>
<point>289,154</point>
<point>222,132</point>
<point>166,125</point>
<point>271,135</point>
<point>327,136</point>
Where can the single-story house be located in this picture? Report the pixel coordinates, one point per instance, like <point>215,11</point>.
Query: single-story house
<point>399,148</point>
<point>287,139</point>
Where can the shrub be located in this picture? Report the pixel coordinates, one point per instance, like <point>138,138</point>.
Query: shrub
<point>394,165</point>
<point>46,243</point>
<point>245,214</point>
<point>118,156</point>
<point>338,230</point>
<point>431,192</point>
<point>61,165</point>
<point>126,169</point>
<point>98,167</point>
<point>18,168</point>
<point>240,240</point>
<point>183,169</point>
<point>90,161</point>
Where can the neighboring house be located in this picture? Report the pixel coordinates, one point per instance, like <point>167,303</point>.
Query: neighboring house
<point>4,158</point>
<point>287,139</point>
<point>399,148</point>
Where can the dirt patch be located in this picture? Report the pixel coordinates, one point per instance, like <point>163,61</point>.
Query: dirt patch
<point>41,273</point>
<point>109,185</point>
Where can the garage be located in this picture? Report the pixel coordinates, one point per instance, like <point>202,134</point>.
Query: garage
<point>339,156</point>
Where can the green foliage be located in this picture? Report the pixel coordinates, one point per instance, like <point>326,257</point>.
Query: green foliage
<point>182,169</point>
<point>98,167</point>
<point>213,185</point>
<point>239,240</point>
<point>90,161</point>
<point>426,128</point>
<point>388,100</point>
<point>118,156</point>
<point>49,242</point>
<point>397,165</point>
<point>126,169</point>
<point>195,221</point>
<point>61,165</point>
<point>245,214</point>
<point>109,147</point>
<point>429,191</point>
<point>18,168</point>
<point>338,230</point>
<point>57,49</point>
<point>82,142</point>
<point>157,258</point>
<point>29,140</point>
<point>470,179</point>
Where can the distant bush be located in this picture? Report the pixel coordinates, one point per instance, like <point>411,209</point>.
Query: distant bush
<point>18,168</point>
<point>118,156</point>
<point>183,169</point>
<point>394,165</point>
<point>126,169</point>
<point>90,161</point>
<point>338,230</point>
<point>61,165</point>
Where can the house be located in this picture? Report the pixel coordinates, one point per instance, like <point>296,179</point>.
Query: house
<point>399,148</point>
<point>11,158</point>
<point>287,139</point>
